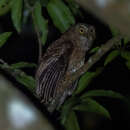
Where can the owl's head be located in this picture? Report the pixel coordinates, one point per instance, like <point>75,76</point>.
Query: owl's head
<point>84,34</point>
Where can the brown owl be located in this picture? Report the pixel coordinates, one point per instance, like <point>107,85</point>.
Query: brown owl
<point>63,57</point>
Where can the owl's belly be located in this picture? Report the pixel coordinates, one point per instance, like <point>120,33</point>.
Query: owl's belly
<point>73,67</point>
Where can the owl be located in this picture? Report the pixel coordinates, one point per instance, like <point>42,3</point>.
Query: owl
<point>62,58</point>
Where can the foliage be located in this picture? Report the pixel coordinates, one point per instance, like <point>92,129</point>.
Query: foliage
<point>72,122</point>
<point>40,23</point>
<point>4,38</point>
<point>86,79</point>
<point>20,76</point>
<point>111,56</point>
<point>16,13</point>
<point>5,6</point>
<point>62,16</point>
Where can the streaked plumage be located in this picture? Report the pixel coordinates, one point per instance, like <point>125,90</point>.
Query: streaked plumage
<point>63,57</point>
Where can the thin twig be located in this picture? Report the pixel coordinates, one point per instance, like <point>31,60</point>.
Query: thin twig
<point>39,42</point>
<point>39,45</point>
<point>2,61</point>
<point>37,32</point>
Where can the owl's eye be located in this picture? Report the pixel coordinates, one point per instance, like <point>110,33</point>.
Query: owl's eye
<point>81,30</point>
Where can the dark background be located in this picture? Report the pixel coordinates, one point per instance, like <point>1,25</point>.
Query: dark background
<point>115,76</point>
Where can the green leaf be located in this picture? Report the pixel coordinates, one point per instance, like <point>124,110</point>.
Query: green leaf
<point>40,22</point>
<point>93,50</point>
<point>102,93</point>
<point>66,108</point>
<point>60,14</point>
<point>16,13</point>
<point>126,40</point>
<point>26,80</point>
<point>111,56</point>
<point>128,64</point>
<point>90,105</point>
<point>20,65</point>
<point>72,122</point>
<point>74,8</point>
<point>125,55</point>
<point>4,37</point>
<point>4,6</point>
<point>86,79</point>
<point>114,31</point>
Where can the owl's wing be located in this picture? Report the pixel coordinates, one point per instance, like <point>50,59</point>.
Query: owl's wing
<point>51,70</point>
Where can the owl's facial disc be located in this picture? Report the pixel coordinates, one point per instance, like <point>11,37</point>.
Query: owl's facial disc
<point>87,35</point>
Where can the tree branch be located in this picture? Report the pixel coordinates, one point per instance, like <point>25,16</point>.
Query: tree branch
<point>69,79</point>
<point>92,60</point>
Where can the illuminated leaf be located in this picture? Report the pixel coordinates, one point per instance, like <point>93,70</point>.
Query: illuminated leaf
<point>72,122</point>
<point>86,79</point>
<point>26,80</point>
<point>125,55</point>
<point>66,108</point>
<point>40,22</point>
<point>4,37</point>
<point>20,65</point>
<point>90,105</point>
<point>93,50</point>
<point>111,56</point>
<point>114,31</point>
<point>16,13</point>
<point>4,6</point>
<point>102,93</point>
<point>60,14</point>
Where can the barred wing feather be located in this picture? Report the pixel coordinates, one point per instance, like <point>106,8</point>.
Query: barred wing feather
<point>49,78</point>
